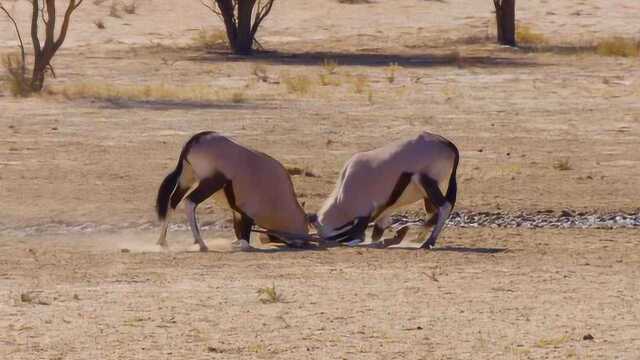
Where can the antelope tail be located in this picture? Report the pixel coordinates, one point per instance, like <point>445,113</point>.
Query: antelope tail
<point>452,190</point>
<point>170,183</point>
<point>166,189</point>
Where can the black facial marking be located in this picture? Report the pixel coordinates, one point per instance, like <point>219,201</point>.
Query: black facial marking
<point>353,232</point>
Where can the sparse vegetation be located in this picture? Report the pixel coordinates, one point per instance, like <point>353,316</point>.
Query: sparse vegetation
<point>17,79</point>
<point>390,72</point>
<point>618,46</point>
<point>562,165</point>
<point>297,84</point>
<point>210,39</point>
<point>152,92</point>
<point>552,342</point>
<point>130,8</point>
<point>360,83</point>
<point>114,11</point>
<point>527,36</point>
<point>260,72</point>
<point>238,97</point>
<point>269,295</point>
<point>354,1</point>
<point>330,66</point>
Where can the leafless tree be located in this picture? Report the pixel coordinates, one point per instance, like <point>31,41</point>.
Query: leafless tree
<point>43,52</point>
<point>506,21</point>
<point>241,18</point>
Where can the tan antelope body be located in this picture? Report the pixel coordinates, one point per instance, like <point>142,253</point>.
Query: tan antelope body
<point>255,186</point>
<point>374,183</point>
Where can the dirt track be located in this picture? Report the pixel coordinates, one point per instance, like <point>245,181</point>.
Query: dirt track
<point>485,293</point>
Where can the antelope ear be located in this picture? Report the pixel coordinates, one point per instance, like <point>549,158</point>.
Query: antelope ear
<point>312,218</point>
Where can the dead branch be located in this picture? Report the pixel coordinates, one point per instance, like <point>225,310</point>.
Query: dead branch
<point>21,45</point>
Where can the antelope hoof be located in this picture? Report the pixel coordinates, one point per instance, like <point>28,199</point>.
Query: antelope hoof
<point>242,245</point>
<point>204,249</point>
<point>377,245</point>
<point>353,242</point>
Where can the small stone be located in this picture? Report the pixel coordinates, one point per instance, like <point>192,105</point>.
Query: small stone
<point>125,251</point>
<point>587,337</point>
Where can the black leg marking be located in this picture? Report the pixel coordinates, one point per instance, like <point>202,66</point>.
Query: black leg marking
<point>207,187</point>
<point>433,191</point>
<point>242,226</point>
<point>428,207</point>
<point>398,189</point>
<point>177,196</point>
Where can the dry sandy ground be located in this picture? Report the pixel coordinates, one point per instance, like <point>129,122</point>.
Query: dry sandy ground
<point>483,294</point>
<point>512,113</point>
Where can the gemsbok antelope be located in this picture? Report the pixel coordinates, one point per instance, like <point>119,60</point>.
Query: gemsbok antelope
<point>255,186</point>
<point>374,183</point>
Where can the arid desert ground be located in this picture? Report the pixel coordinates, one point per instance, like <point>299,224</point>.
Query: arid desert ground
<point>549,127</point>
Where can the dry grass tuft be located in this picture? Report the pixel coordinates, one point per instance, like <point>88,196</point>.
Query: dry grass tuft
<point>260,72</point>
<point>114,11</point>
<point>152,92</point>
<point>295,171</point>
<point>354,2</point>
<point>554,342</point>
<point>562,165</point>
<point>329,80</point>
<point>360,83</point>
<point>17,80</point>
<point>330,66</point>
<point>297,84</point>
<point>390,72</point>
<point>527,36</point>
<point>210,39</point>
<point>618,46</point>
<point>269,295</point>
<point>130,8</point>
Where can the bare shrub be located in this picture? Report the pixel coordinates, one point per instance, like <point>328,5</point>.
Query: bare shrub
<point>43,53</point>
<point>506,21</point>
<point>242,19</point>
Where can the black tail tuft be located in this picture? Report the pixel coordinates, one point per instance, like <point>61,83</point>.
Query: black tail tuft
<point>169,183</point>
<point>452,190</point>
<point>166,189</point>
